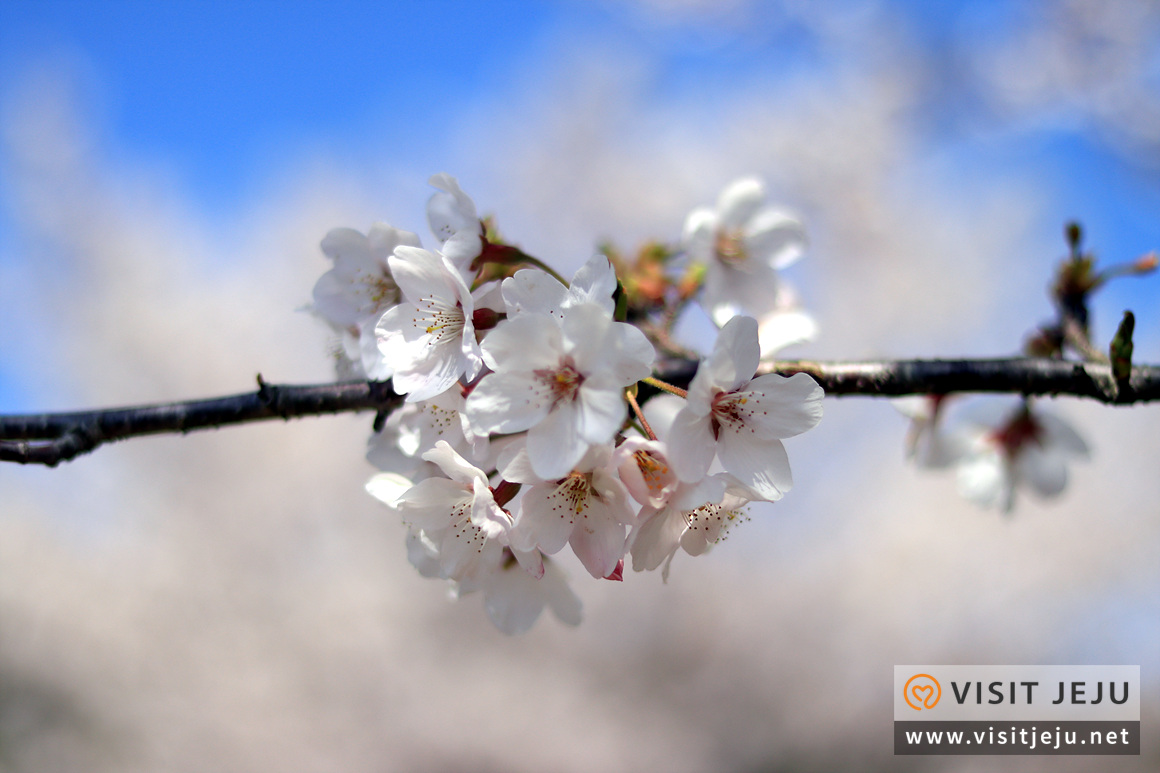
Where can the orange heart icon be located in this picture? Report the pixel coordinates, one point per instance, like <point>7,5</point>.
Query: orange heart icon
<point>923,693</point>
<point>926,692</point>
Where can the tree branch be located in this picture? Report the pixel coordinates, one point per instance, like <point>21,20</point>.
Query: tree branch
<point>52,438</point>
<point>49,439</point>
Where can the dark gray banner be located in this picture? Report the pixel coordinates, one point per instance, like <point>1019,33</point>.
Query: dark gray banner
<point>1022,737</point>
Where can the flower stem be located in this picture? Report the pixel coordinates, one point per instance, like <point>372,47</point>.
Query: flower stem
<point>664,387</point>
<point>639,414</point>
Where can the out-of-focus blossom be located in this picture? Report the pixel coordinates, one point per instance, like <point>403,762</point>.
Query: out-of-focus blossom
<point>514,599</point>
<point>743,242</point>
<point>355,292</point>
<point>928,444</point>
<point>1029,448</point>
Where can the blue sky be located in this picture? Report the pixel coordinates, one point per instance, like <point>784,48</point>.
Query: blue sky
<point>224,96</point>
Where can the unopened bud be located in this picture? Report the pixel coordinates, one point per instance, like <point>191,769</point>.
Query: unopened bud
<point>1146,263</point>
<point>1121,349</point>
<point>485,318</point>
<point>1073,232</point>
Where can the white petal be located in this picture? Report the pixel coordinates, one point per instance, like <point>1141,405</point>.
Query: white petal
<point>735,356</point>
<point>536,291</point>
<point>374,364</point>
<point>388,487</point>
<point>555,444</point>
<point>660,412</point>
<point>1044,469</point>
<point>739,201</point>
<point>780,407</point>
<point>595,282</point>
<point>451,210</point>
<point>525,342</point>
<point>774,238</point>
<point>983,478</point>
<point>691,446</point>
<point>486,515</point>
<point>761,465</point>
<point>507,402</point>
<point>785,328</point>
<point>601,413</point>
<point>531,561</point>
<point>382,239</point>
<point>333,300</point>
<point>711,488</point>
<point>423,554</point>
<point>453,465</point>
<point>422,274</point>
<point>753,287</point>
<point>512,602</point>
<point>699,234</point>
<point>545,520</point>
<point>1060,434</point>
<point>462,248</point>
<point>345,243</point>
<point>565,604</point>
<point>598,540</point>
<point>513,463</point>
<point>656,538</point>
<point>430,371</point>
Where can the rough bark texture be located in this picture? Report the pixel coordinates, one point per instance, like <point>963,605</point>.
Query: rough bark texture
<point>55,437</point>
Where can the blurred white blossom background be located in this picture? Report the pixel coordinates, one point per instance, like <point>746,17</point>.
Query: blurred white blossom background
<point>234,600</point>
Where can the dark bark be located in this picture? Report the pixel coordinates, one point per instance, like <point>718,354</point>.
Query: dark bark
<point>52,438</point>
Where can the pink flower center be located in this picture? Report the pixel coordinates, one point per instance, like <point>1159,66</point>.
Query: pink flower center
<point>730,247</point>
<point>654,471</point>
<point>563,382</point>
<point>714,521</point>
<point>732,410</point>
<point>1017,433</point>
<point>575,490</point>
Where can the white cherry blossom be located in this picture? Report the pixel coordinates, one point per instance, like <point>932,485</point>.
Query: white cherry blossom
<point>928,444</point>
<point>588,508</point>
<point>696,518</point>
<point>355,292</point>
<point>359,286</point>
<point>453,219</point>
<point>562,380</point>
<point>412,429</point>
<point>1029,448</point>
<point>743,243</point>
<point>514,599</point>
<point>535,290</point>
<point>740,419</point>
<point>784,323</point>
<point>461,525</point>
<point>645,470</point>
<point>429,340</point>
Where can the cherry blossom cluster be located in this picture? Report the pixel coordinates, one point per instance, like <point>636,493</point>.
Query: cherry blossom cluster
<point>520,433</point>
